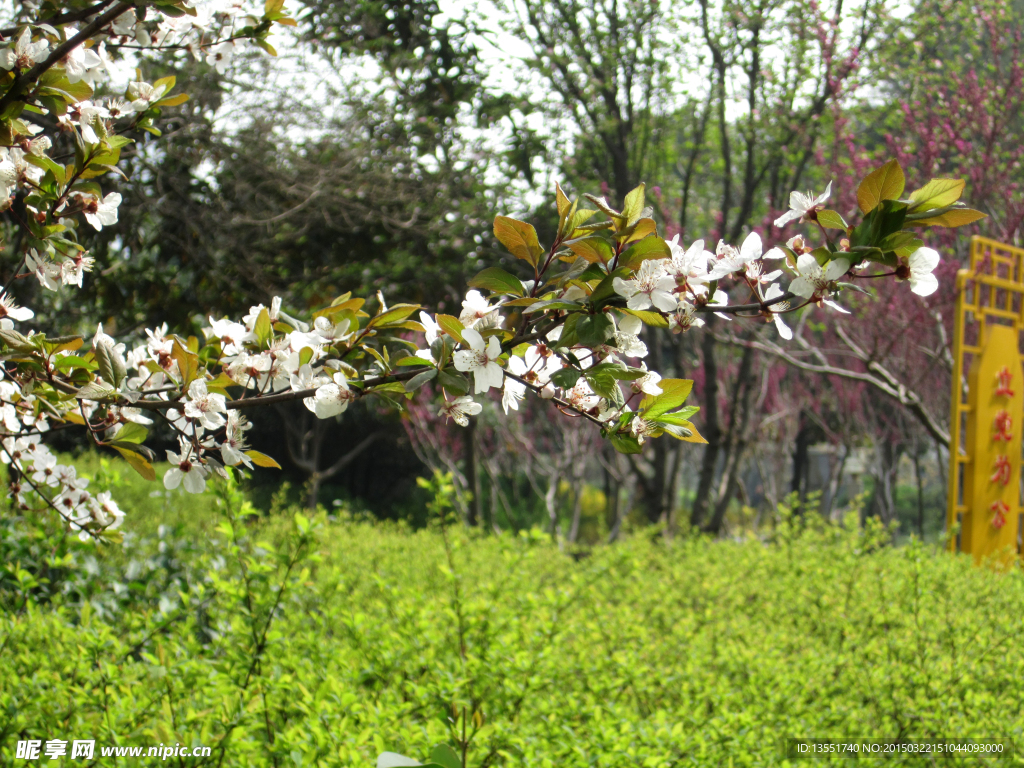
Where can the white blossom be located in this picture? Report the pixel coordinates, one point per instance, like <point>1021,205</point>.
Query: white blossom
<point>814,281</point>
<point>684,317</point>
<point>232,450</point>
<point>25,53</point>
<point>219,56</point>
<point>207,408</point>
<point>627,337</point>
<point>143,95</point>
<point>185,469</point>
<point>431,329</point>
<point>730,260</point>
<point>479,360</point>
<point>922,263</point>
<point>648,383</point>
<point>512,390</point>
<point>331,399</point>
<point>774,292</point>
<point>80,60</point>
<point>460,409</point>
<point>800,204</point>
<point>233,336</point>
<point>90,120</point>
<point>650,286</point>
<point>102,213</point>
<point>581,396</point>
<point>478,313</point>
<point>9,311</point>
<point>640,428</point>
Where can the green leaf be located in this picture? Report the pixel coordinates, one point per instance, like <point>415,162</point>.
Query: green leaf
<point>552,304</point>
<point>263,328</point>
<point>420,379</point>
<point>577,220</point>
<point>673,394</point>
<point>638,231</point>
<point>832,220</point>
<point>957,217</point>
<point>593,249</point>
<point>519,237</point>
<point>70,362</point>
<point>561,201</point>
<point>413,360</point>
<point>594,329</point>
<point>396,314</point>
<point>445,756</point>
<point>680,417</point>
<point>137,462</point>
<point>455,383</point>
<point>642,250</point>
<point>132,433</point>
<point>625,443</point>
<point>647,317</point>
<point>172,101</point>
<point>451,326</point>
<point>633,205</point>
<point>606,288</point>
<point>110,366</point>
<point>188,362</point>
<point>885,183</point>
<point>937,193</point>
<point>262,460</point>
<point>497,280</point>
<point>566,378</point>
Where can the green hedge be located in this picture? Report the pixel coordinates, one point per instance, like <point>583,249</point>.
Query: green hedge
<point>642,654</point>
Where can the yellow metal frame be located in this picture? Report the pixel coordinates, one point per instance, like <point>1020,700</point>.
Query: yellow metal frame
<point>990,290</point>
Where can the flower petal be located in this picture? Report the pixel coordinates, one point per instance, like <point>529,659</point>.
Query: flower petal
<point>802,287</point>
<point>837,269</point>
<point>751,248</point>
<point>923,260</point>
<point>474,339</point>
<point>782,328</point>
<point>924,285</point>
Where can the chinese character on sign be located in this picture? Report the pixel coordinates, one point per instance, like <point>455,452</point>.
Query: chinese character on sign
<point>1003,425</point>
<point>1000,508</point>
<point>1003,381</point>
<point>28,750</point>
<point>56,748</point>
<point>1001,471</point>
<point>83,748</point>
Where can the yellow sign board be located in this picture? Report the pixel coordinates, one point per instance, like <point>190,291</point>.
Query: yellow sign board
<point>988,404</point>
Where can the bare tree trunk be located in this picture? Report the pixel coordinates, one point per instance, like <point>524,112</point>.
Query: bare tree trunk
<point>713,432</point>
<point>736,442</point>
<point>835,482</point>
<point>473,515</point>
<point>920,491</point>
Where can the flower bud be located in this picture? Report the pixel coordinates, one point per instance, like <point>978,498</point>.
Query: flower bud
<point>547,392</point>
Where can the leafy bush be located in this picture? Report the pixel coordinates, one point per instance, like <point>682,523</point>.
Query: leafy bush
<point>326,642</point>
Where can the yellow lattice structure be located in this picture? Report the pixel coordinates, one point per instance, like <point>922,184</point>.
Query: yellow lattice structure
<point>985,495</point>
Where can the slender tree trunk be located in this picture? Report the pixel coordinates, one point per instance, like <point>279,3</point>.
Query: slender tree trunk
<point>919,476</point>
<point>801,460</point>
<point>713,432</point>
<point>736,442</point>
<point>835,482</point>
<point>473,515</point>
